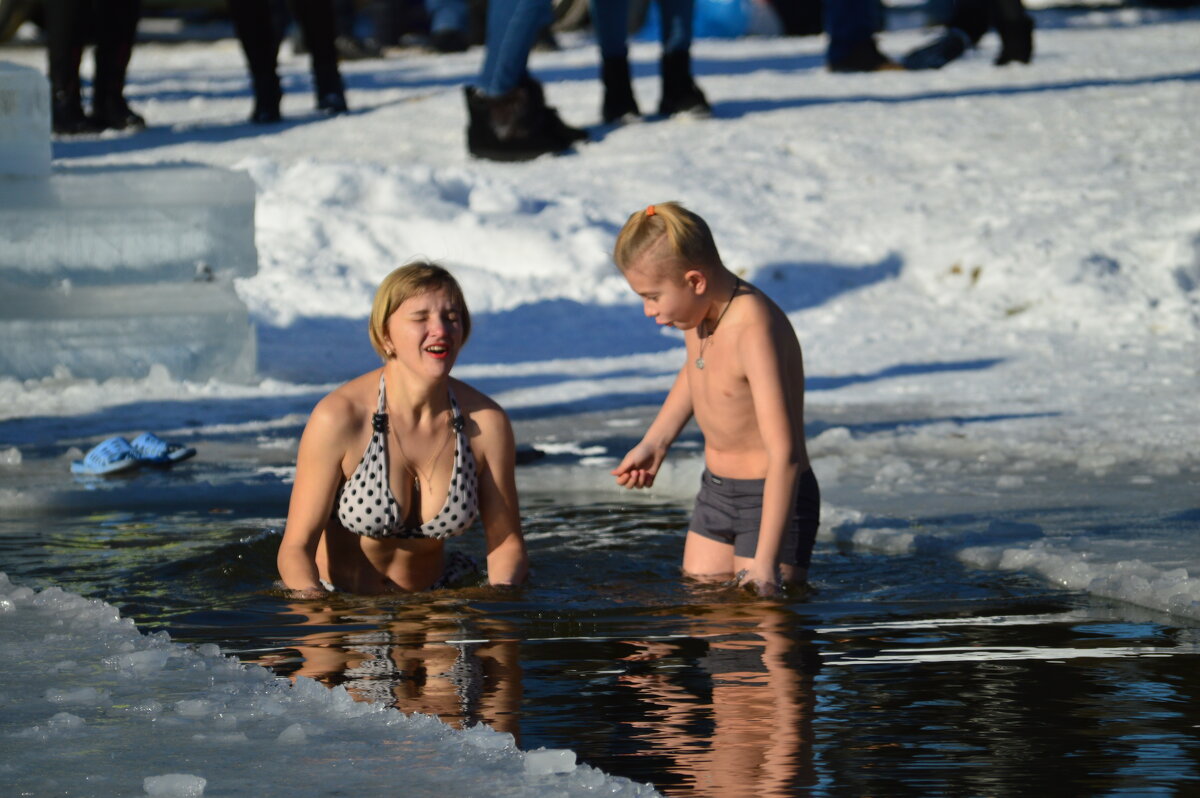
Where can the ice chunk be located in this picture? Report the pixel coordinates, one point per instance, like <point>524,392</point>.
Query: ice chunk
<point>118,225</point>
<point>196,330</point>
<point>194,708</point>
<point>80,696</point>
<point>488,739</point>
<point>24,121</point>
<point>174,785</point>
<point>545,761</point>
<point>138,663</point>
<point>292,735</point>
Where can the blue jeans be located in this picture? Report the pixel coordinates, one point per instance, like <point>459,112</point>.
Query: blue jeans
<point>849,23</point>
<point>610,20</point>
<point>447,15</point>
<point>513,27</point>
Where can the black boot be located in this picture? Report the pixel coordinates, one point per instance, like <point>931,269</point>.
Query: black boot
<point>939,52</point>
<point>864,57</point>
<point>66,114</point>
<point>558,128</point>
<point>449,40</point>
<point>1016,41</point>
<point>514,127</point>
<point>619,102</point>
<point>112,112</point>
<point>680,94</point>
<point>329,89</point>
<point>267,95</point>
<point>332,103</point>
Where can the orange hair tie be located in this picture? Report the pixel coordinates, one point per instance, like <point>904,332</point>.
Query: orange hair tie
<point>649,210</point>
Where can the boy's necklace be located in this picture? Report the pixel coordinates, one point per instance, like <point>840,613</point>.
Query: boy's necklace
<point>704,341</point>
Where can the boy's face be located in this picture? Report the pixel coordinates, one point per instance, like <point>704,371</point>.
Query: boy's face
<point>669,299</point>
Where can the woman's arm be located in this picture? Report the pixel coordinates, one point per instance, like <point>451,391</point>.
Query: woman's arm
<point>318,474</point>
<point>640,465</point>
<point>507,561</point>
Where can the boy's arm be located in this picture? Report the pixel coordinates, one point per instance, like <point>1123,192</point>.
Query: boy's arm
<point>763,363</point>
<point>640,466</point>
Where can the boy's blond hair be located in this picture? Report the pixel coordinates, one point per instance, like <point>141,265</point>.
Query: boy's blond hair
<point>672,227</point>
<point>404,283</point>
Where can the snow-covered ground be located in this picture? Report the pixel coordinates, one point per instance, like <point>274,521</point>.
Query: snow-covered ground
<point>995,272</point>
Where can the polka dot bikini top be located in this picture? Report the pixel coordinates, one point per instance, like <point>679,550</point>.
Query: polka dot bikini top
<point>366,506</point>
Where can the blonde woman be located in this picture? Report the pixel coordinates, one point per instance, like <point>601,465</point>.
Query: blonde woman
<point>396,461</point>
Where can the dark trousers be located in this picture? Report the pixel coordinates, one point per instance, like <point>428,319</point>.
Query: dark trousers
<point>259,28</point>
<point>70,24</point>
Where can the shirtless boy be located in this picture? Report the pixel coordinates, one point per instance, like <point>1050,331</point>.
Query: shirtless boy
<point>757,511</point>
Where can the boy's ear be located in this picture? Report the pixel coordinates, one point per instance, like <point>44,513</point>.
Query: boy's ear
<point>696,280</point>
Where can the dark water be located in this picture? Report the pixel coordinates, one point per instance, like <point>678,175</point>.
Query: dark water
<point>897,676</point>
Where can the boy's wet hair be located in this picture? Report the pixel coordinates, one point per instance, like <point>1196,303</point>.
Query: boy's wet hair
<point>678,232</point>
<point>406,282</point>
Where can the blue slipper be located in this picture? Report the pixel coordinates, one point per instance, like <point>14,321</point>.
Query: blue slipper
<point>149,448</point>
<point>106,457</point>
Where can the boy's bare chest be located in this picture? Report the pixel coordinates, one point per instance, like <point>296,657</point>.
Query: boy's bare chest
<point>720,391</point>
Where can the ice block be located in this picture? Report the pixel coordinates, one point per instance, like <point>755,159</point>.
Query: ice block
<point>197,330</point>
<point>24,121</point>
<point>126,224</point>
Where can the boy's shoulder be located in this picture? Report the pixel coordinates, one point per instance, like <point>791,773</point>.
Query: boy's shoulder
<point>764,325</point>
<point>757,306</point>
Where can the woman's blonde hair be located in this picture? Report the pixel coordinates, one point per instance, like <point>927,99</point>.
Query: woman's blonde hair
<point>687,237</point>
<point>404,283</point>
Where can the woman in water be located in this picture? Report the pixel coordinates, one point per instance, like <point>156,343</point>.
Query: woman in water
<point>399,459</point>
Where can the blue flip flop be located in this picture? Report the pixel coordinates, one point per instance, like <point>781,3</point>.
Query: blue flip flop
<point>107,457</point>
<point>153,450</point>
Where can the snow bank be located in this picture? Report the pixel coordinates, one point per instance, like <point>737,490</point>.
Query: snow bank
<point>142,714</point>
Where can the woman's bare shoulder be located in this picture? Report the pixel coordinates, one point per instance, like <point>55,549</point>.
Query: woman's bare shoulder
<point>485,412</point>
<point>344,408</point>
<point>471,399</point>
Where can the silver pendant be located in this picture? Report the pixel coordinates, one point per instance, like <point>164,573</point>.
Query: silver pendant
<point>700,363</point>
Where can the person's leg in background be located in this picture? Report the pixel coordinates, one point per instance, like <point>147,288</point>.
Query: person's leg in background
<point>610,23</point>
<point>1015,28</point>
<point>116,29</point>
<point>66,32</point>
<point>318,24</point>
<point>680,94</point>
<point>449,23</point>
<point>257,33</point>
<point>851,25</point>
<point>508,115</point>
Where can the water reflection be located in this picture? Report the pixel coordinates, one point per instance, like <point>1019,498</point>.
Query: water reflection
<point>427,658</point>
<point>727,709</point>
<point>715,700</point>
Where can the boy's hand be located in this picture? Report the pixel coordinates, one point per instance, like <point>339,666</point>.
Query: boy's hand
<point>639,467</point>
<point>762,581</point>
